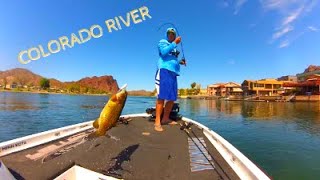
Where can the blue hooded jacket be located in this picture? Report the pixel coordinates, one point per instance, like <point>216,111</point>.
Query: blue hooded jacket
<point>167,60</point>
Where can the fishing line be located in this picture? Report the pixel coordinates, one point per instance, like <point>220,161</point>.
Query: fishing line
<point>181,43</point>
<point>178,34</point>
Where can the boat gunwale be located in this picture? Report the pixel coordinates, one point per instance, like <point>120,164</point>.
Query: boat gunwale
<point>33,140</point>
<point>241,165</point>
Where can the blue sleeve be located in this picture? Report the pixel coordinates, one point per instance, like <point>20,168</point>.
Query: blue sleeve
<point>165,48</point>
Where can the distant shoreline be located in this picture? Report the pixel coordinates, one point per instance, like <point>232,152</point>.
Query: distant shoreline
<point>46,92</point>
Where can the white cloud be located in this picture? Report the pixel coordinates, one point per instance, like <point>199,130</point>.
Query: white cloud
<point>290,11</point>
<point>238,5</point>
<point>282,32</point>
<point>272,4</point>
<point>287,42</point>
<point>282,6</point>
<point>284,44</point>
<point>314,29</point>
<point>292,16</point>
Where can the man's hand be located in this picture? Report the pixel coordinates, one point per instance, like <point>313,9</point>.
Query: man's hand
<point>183,62</point>
<point>177,40</point>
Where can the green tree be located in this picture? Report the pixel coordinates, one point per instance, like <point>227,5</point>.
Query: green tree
<point>44,83</point>
<point>73,87</point>
<point>189,91</point>
<point>196,91</point>
<point>182,92</point>
<point>193,85</point>
<point>5,83</point>
<point>154,92</point>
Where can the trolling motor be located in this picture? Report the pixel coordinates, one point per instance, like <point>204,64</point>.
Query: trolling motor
<point>174,114</point>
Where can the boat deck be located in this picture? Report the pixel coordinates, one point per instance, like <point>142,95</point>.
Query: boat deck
<point>134,151</point>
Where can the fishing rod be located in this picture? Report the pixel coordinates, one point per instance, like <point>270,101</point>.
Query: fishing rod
<point>185,128</point>
<point>178,34</point>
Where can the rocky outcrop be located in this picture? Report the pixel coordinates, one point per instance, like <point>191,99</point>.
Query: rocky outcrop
<point>103,83</point>
<point>312,68</point>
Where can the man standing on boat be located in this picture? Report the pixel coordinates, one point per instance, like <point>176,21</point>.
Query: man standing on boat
<point>166,77</point>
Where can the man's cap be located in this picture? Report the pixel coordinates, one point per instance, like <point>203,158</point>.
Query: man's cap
<point>171,30</point>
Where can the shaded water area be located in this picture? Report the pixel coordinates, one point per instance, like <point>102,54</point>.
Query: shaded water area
<point>282,138</point>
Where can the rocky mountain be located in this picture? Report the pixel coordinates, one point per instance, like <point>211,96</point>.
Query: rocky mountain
<point>312,68</point>
<point>20,76</point>
<point>103,83</point>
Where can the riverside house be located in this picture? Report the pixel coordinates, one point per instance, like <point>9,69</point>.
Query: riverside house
<point>288,90</point>
<point>225,89</point>
<point>308,85</point>
<point>11,86</point>
<point>263,87</point>
<point>213,88</point>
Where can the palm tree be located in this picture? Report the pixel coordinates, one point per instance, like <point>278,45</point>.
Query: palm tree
<point>193,85</point>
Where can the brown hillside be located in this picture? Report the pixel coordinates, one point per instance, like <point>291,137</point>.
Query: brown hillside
<point>25,77</point>
<point>20,76</point>
<point>104,83</point>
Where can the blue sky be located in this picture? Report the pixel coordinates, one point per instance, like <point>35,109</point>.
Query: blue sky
<point>224,40</point>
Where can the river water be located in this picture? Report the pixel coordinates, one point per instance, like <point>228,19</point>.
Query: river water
<point>281,138</point>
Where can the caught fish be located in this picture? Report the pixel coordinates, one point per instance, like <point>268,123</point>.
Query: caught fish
<point>111,112</point>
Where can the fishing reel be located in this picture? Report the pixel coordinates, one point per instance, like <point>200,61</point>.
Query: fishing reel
<point>175,53</point>
<point>186,125</point>
<point>183,60</point>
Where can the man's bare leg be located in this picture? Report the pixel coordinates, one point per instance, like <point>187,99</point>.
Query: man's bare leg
<point>159,109</point>
<point>166,114</point>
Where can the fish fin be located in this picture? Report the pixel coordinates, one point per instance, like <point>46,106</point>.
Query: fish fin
<point>96,123</point>
<point>114,98</point>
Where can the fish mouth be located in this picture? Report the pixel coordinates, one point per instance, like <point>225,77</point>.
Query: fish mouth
<point>122,92</point>
<point>123,88</point>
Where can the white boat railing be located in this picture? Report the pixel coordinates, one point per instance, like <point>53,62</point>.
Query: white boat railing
<point>33,140</point>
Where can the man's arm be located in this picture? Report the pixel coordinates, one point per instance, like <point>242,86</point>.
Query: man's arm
<point>165,48</point>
